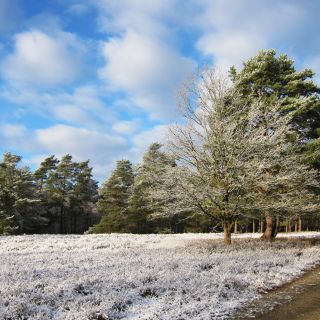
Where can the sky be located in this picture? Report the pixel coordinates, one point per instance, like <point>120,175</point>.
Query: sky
<point>98,79</point>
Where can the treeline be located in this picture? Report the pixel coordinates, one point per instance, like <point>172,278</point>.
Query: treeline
<point>127,206</point>
<point>244,159</point>
<point>59,197</point>
<point>133,200</point>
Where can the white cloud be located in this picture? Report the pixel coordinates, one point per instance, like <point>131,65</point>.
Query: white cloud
<point>16,136</point>
<point>42,59</point>
<point>147,70</point>
<point>232,31</point>
<point>81,142</point>
<point>142,55</point>
<point>230,48</point>
<point>12,131</point>
<point>34,161</point>
<point>70,113</point>
<point>142,16</point>
<point>143,139</point>
<point>101,148</point>
<point>143,67</point>
<point>126,127</point>
<point>85,106</point>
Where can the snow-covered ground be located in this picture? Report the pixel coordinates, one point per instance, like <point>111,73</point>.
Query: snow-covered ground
<point>98,277</point>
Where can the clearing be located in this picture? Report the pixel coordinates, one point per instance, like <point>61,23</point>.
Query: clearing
<point>187,276</point>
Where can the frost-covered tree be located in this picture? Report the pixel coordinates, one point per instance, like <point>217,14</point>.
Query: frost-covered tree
<point>113,201</point>
<point>274,78</point>
<point>228,152</point>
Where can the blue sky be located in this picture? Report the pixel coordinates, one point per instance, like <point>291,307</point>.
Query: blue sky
<point>98,78</point>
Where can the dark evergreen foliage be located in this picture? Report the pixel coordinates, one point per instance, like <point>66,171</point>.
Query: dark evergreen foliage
<point>59,197</point>
<point>113,201</point>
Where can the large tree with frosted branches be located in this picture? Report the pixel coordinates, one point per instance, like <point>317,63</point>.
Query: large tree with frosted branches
<point>234,157</point>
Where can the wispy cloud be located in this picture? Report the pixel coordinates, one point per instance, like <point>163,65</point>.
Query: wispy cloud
<point>44,60</point>
<point>147,70</point>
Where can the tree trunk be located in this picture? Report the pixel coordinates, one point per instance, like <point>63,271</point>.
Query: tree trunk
<point>271,228</point>
<point>296,226</point>
<point>236,227</point>
<point>253,226</point>
<point>268,232</point>
<point>261,226</point>
<point>277,224</point>
<point>300,225</point>
<point>61,219</point>
<point>289,225</point>
<point>227,232</point>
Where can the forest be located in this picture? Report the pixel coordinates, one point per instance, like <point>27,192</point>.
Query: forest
<point>245,158</point>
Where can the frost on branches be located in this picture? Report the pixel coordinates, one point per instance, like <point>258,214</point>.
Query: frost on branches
<point>234,159</point>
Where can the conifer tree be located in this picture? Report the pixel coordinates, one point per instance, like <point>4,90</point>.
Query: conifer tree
<point>68,194</point>
<point>113,201</point>
<point>84,198</point>
<point>275,79</point>
<point>42,180</point>
<point>155,163</point>
<point>19,207</point>
<point>8,170</point>
<point>60,189</point>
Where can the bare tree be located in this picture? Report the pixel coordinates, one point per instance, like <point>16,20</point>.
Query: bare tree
<point>234,159</point>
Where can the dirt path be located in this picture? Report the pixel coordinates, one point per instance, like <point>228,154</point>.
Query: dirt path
<point>298,300</point>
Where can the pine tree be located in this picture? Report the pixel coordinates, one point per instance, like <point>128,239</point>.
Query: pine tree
<point>60,186</point>
<point>8,216</point>
<point>19,207</point>
<point>113,201</point>
<point>155,163</point>
<point>84,199</point>
<point>42,174</point>
<point>42,180</point>
<point>274,79</point>
<point>68,194</point>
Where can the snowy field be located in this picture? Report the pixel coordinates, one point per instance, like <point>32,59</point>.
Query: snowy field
<point>188,276</point>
